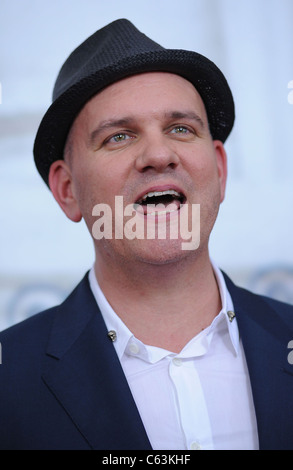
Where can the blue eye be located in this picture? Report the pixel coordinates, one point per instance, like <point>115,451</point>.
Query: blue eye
<point>180,130</point>
<point>119,138</point>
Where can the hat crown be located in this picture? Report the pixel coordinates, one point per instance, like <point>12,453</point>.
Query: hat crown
<point>118,40</point>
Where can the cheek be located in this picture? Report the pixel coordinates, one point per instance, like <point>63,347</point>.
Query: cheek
<point>97,184</point>
<point>207,186</point>
<point>204,170</point>
<point>112,175</point>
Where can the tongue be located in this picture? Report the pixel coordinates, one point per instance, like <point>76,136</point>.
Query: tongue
<point>158,208</point>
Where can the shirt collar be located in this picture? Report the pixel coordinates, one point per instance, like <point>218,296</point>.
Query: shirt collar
<point>111,319</point>
<point>227,308</point>
<point>124,338</point>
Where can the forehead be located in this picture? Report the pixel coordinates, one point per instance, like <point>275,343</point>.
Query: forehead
<point>144,94</point>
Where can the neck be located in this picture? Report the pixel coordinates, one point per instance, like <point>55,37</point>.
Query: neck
<point>163,305</point>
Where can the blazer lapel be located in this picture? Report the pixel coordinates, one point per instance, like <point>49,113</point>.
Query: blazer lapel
<point>85,375</point>
<point>265,337</point>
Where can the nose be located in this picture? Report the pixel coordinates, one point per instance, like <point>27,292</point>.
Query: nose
<point>156,154</point>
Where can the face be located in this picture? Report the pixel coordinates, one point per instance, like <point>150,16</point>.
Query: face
<point>141,136</point>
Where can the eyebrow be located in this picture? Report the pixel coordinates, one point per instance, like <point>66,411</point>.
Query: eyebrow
<point>110,124</point>
<point>186,115</point>
<point>129,121</point>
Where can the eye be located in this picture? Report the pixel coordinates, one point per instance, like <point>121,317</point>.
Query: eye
<point>183,132</point>
<point>115,141</point>
<point>117,138</point>
<point>180,130</point>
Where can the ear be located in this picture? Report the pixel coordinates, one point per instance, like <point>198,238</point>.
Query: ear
<point>221,165</point>
<point>60,182</point>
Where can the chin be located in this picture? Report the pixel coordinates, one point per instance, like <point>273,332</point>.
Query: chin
<point>161,252</point>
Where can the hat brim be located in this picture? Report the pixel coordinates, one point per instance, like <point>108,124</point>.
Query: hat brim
<point>200,71</point>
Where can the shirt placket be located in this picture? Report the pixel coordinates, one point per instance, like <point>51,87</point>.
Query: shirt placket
<point>192,408</point>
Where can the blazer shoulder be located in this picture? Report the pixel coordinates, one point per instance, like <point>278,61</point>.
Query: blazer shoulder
<point>259,304</point>
<point>284,309</point>
<point>30,338</point>
<point>26,338</point>
<point>40,322</point>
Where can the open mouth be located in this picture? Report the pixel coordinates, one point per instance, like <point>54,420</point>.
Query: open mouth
<point>160,202</point>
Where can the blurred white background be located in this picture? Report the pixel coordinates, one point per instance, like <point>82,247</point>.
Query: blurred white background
<point>42,254</point>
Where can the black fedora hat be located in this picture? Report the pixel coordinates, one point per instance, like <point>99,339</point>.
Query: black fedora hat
<point>114,52</point>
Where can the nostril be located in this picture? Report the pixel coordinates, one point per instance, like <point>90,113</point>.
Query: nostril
<point>172,165</point>
<point>158,167</point>
<point>146,168</point>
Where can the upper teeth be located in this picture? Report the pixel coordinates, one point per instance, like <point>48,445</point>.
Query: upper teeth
<point>170,192</point>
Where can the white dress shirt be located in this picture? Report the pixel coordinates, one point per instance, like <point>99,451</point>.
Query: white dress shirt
<point>199,399</point>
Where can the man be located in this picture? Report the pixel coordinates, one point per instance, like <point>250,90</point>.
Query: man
<point>155,348</point>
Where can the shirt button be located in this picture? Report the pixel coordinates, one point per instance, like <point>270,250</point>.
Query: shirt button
<point>134,348</point>
<point>195,446</point>
<point>177,361</point>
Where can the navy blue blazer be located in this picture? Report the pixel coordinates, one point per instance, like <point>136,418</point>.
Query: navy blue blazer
<point>62,386</point>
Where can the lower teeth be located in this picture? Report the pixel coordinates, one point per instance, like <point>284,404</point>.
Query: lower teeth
<point>161,212</point>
